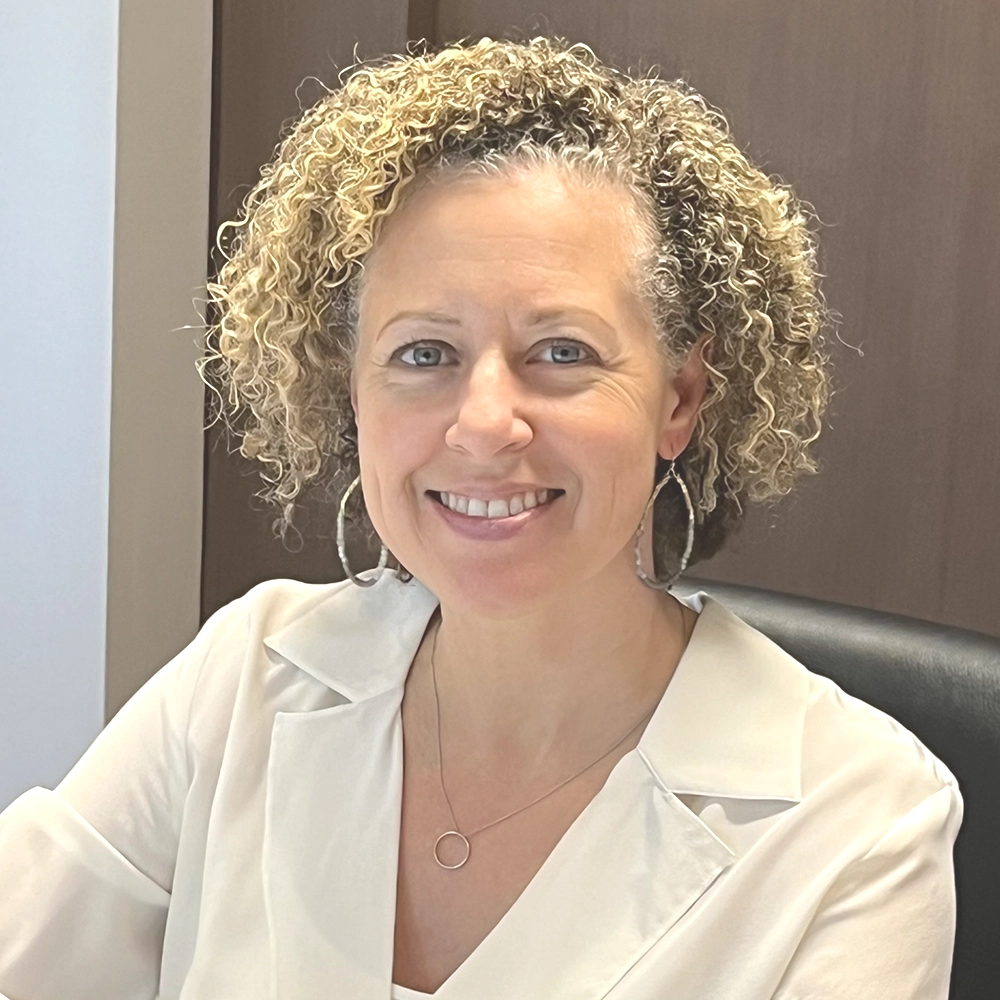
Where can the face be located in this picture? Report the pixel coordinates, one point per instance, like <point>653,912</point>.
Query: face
<point>501,346</point>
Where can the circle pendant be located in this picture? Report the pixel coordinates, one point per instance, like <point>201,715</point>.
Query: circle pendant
<point>452,833</point>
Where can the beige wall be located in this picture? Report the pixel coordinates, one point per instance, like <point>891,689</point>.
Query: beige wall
<point>157,440</point>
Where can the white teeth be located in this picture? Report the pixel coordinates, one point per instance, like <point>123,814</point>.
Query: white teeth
<point>475,507</point>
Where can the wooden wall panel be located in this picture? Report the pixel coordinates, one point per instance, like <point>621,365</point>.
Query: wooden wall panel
<point>886,116</point>
<point>264,55</point>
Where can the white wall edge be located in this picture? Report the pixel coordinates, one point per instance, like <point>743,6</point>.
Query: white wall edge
<point>58,81</point>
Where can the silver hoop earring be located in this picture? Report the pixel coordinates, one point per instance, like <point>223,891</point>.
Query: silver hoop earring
<point>671,473</point>
<point>342,550</point>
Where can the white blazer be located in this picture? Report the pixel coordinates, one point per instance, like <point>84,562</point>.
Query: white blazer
<point>233,834</point>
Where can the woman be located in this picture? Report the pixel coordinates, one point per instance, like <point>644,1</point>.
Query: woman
<point>558,330</point>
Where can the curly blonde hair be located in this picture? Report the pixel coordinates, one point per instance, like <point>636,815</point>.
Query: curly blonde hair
<point>730,260</point>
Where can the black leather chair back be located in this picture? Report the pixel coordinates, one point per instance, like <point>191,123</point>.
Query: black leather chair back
<point>943,684</point>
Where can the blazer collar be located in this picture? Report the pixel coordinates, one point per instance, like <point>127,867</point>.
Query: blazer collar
<point>634,861</point>
<point>729,724</point>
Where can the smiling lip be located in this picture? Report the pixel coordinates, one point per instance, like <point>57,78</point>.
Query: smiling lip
<point>495,491</point>
<point>487,528</point>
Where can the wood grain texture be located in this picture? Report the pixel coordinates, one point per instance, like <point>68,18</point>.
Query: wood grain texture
<point>885,115</point>
<point>265,57</point>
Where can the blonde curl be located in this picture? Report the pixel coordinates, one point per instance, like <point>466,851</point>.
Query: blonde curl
<point>730,262</point>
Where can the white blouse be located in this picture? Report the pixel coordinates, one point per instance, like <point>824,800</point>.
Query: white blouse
<point>402,993</point>
<point>234,833</point>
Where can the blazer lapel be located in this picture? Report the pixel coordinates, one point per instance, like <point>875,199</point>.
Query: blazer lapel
<point>331,848</point>
<point>630,866</point>
<point>334,795</point>
<point>729,725</point>
<point>632,863</point>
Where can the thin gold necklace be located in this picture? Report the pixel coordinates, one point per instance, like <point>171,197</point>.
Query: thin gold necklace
<point>465,837</point>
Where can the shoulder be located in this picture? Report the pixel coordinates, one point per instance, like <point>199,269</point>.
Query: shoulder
<point>847,765</point>
<point>862,775</point>
<point>841,740</point>
<point>238,629</point>
<point>228,660</point>
<point>299,638</point>
<point>242,624</point>
<point>863,757</point>
<point>273,604</point>
<point>293,607</point>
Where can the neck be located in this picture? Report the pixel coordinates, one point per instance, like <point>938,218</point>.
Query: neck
<point>550,681</point>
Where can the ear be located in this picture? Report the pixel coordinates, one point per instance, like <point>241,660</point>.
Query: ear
<point>683,400</point>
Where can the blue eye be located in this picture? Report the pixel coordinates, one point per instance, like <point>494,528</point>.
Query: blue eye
<point>560,347</point>
<point>427,354</point>
<point>422,350</point>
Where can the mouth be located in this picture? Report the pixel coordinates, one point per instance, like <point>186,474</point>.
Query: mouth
<point>495,510</point>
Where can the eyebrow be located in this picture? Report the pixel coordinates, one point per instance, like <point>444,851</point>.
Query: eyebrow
<point>427,317</point>
<point>540,316</point>
<point>535,318</point>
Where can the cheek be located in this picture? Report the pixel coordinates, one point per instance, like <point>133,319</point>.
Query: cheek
<point>620,470</point>
<point>614,453</point>
<point>392,444</point>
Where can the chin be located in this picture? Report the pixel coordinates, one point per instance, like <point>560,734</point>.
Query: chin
<point>492,591</point>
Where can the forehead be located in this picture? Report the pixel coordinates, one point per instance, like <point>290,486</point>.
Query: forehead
<point>525,231</point>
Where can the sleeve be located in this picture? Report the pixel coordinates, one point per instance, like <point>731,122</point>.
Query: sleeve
<point>886,928</point>
<point>86,870</point>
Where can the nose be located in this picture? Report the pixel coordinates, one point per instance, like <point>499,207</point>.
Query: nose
<point>487,421</point>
